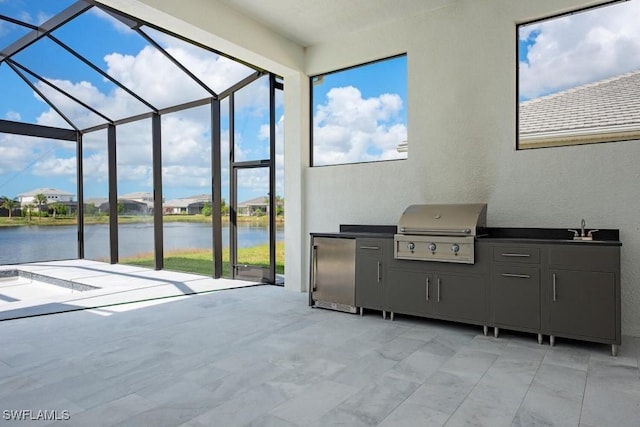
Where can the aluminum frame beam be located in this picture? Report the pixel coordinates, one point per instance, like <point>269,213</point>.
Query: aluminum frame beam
<point>38,131</point>
<point>156,152</point>
<point>44,29</point>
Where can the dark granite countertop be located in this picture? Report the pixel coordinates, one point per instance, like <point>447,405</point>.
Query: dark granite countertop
<point>352,231</point>
<point>607,237</point>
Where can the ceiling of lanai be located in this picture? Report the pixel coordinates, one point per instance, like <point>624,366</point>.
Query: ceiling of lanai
<point>309,22</point>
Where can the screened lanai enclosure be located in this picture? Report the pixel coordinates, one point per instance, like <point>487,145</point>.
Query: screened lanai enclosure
<point>138,145</point>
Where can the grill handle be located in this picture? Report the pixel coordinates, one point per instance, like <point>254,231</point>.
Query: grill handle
<point>442,231</point>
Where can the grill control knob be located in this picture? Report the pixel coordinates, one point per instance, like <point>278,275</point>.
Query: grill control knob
<point>455,248</point>
<point>432,247</point>
<point>411,246</point>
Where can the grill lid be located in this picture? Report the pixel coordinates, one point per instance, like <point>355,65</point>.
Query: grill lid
<point>444,220</point>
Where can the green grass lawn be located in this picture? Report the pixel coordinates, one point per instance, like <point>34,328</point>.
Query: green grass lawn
<point>199,261</point>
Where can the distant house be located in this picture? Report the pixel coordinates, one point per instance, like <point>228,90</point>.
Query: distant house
<point>129,207</point>
<point>257,206</point>
<point>186,206</point>
<point>53,195</point>
<point>141,197</point>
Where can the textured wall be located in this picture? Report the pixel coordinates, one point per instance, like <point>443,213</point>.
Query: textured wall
<point>461,107</point>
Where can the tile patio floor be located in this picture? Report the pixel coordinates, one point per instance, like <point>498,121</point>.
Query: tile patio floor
<point>259,356</point>
<point>116,284</point>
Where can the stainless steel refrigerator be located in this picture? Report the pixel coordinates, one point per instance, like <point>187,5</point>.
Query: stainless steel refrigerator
<point>333,273</point>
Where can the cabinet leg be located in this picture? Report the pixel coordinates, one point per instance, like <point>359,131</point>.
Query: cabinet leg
<point>552,340</point>
<point>485,330</point>
<point>391,315</point>
<point>384,314</point>
<point>614,350</point>
<point>496,332</point>
<point>540,339</point>
<point>361,311</point>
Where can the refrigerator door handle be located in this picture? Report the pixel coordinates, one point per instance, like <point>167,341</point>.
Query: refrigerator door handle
<point>315,267</point>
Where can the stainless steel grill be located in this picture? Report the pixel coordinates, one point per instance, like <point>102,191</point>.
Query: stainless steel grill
<point>444,233</point>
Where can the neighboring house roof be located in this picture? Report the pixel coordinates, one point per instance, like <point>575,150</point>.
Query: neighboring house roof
<point>258,201</point>
<point>184,202</point>
<point>605,110</point>
<point>181,203</point>
<point>138,195</point>
<point>200,197</point>
<point>46,192</point>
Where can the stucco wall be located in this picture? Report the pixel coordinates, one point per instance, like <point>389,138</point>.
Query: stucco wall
<point>461,130</point>
<point>461,113</point>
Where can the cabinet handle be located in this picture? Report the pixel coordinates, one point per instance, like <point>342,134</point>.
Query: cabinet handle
<point>373,248</point>
<point>554,287</point>
<point>378,271</point>
<point>315,268</point>
<point>427,287</point>
<point>438,289</point>
<point>516,255</point>
<point>519,276</point>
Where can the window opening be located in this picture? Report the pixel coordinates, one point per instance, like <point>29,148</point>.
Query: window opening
<point>359,114</point>
<point>578,75</point>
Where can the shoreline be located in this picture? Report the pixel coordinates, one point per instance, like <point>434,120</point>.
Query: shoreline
<point>89,220</point>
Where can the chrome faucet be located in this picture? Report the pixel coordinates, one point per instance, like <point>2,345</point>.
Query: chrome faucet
<point>581,235</point>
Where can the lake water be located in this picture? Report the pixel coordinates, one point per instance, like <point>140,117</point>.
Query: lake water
<point>47,243</point>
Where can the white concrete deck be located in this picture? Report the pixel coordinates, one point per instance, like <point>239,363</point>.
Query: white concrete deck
<point>117,284</point>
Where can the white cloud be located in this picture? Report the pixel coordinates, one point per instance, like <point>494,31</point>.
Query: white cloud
<point>186,135</point>
<point>115,23</point>
<point>13,115</point>
<point>349,128</point>
<point>581,48</point>
<point>56,166</point>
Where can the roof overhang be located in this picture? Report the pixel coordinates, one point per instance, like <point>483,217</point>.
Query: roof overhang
<point>579,136</point>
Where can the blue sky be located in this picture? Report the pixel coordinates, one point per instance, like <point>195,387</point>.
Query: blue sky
<point>360,113</point>
<point>28,163</point>
<point>572,50</point>
<point>376,92</point>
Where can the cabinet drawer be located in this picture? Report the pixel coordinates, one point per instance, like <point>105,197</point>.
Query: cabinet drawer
<point>586,257</point>
<point>370,246</point>
<point>517,254</point>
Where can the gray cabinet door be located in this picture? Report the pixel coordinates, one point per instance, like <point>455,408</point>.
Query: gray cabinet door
<point>461,297</point>
<point>516,296</point>
<point>582,304</point>
<point>370,273</point>
<point>409,292</point>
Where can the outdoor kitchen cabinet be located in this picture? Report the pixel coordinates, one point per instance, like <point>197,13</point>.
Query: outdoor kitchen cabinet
<point>442,290</point>
<point>569,290</point>
<point>438,294</point>
<point>460,297</point>
<point>409,292</point>
<point>370,272</point>
<point>582,294</point>
<point>515,288</point>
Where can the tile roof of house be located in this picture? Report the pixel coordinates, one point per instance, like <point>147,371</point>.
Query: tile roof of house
<point>46,192</point>
<point>137,195</point>
<point>257,201</point>
<point>607,105</point>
